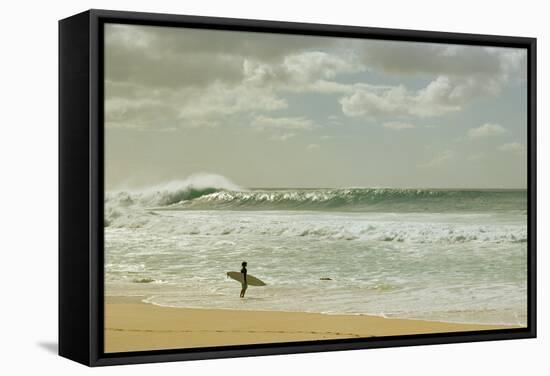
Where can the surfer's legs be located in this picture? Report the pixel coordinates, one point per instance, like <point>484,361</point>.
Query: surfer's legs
<point>243,290</point>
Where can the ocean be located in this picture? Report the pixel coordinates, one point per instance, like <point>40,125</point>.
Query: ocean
<point>435,254</point>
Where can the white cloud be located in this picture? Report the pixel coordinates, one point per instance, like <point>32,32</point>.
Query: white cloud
<point>307,71</point>
<point>262,122</point>
<point>139,113</point>
<point>442,95</point>
<point>438,160</point>
<point>142,108</point>
<point>513,147</point>
<point>461,75</point>
<point>486,130</point>
<point>312,147</point>
<point>283,137</point>
<point>363,102</point>
<point>312,65</point>
<point>397,125</point>
<point>437,98</point>
<point>221,100</point>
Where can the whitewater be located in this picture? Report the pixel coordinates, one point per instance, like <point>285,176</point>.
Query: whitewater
<point>436,254</point>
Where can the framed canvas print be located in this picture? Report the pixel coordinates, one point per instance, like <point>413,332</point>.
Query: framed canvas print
<point>235,187</point>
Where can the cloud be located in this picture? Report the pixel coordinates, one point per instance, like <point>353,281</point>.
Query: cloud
<point>486,130</point>
<point>413,58</point>
<point>312,147</point>
<point>438,160</point>
<point>283,137</point>
<point>443,95</point>
<point>174,78</point>
<point>460,75</point>
<point>142,108</point>
<point>513,147</point>
<point>222,100</point>
<point>334,120</point>
<point>364,102</point>
<point>262,122</point>
<point>314,65</point>
<point>305,71</point>
<point>397,125</point>
<point>174,57</point>
<point>156,57</point>
<point>168,78</point>
<point>437,98</point>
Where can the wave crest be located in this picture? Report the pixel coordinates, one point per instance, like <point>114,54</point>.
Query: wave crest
<point>173,192</point>
<point>359,200</point>
<point>215,192</point>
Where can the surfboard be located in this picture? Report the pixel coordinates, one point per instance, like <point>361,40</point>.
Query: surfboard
<point>251,280</point>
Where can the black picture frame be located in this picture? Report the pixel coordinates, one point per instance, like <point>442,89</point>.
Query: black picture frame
<point>81,186</point>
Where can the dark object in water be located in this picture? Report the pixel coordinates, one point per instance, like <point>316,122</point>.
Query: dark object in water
<point>325,279</point>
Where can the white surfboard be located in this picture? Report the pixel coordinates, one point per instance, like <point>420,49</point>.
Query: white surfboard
<point>251,280</point>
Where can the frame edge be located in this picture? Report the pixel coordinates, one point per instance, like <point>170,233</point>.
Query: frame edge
<point>74,247</point>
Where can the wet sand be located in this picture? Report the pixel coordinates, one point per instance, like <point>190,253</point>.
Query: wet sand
<point>131,325</point>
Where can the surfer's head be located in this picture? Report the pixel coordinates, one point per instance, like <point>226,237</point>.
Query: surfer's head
<point>244,263</point>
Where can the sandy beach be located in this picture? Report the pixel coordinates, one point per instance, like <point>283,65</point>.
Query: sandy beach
<point>131,325</point>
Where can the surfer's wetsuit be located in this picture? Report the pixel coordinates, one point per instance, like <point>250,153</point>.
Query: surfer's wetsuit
<point>245,283</point>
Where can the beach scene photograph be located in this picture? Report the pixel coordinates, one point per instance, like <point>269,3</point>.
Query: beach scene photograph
<point>276,188</point>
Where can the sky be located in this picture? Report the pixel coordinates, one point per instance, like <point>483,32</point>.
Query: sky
<point>275,110</point>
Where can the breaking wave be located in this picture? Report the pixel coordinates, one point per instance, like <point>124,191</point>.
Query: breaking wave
<point>215,192</point>
<point>332,228</point>
<point>174,192</point>
<point>359,199</point>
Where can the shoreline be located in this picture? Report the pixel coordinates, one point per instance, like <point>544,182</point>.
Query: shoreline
<point>132,325</point>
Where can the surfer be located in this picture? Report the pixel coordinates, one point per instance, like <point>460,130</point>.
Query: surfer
<point>244,283</point>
